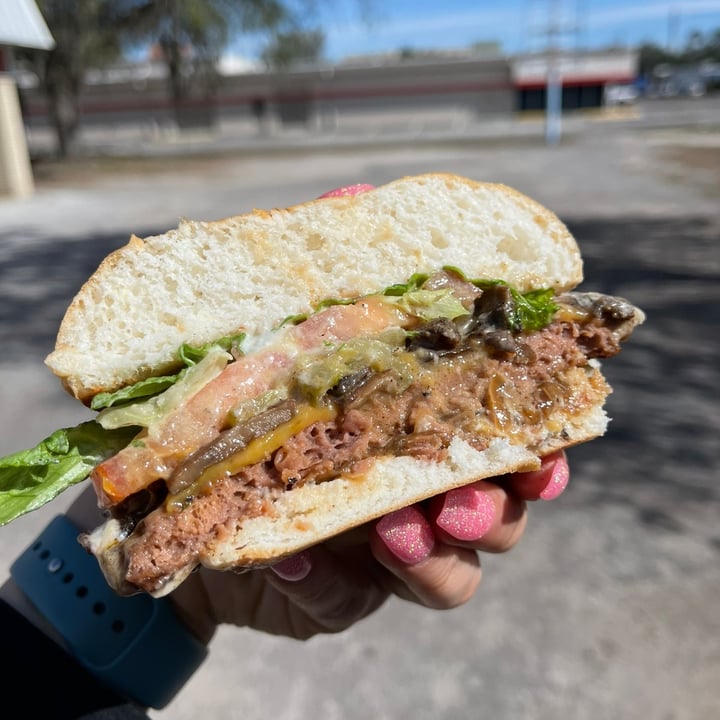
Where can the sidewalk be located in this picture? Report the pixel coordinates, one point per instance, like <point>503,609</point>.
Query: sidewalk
<point>607,609</point>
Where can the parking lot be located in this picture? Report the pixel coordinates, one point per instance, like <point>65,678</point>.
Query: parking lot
<point>608,607</point>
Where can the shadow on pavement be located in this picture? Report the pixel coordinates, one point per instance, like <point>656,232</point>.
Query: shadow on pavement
<point>39,277</point>
<point>661,447</point>
<point>662,444</point>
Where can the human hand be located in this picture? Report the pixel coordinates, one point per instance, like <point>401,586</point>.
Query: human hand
<point>426,553</point>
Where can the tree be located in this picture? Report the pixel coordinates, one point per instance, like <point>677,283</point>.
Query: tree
<point>698,48</point>
<point>84,39</point>
<point>651,55</point>
<point>289,47</point>
<point>191,34</point>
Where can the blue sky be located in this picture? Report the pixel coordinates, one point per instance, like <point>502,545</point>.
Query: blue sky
<point>517,24</point>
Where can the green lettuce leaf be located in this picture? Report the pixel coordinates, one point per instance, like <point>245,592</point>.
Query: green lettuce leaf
<point>430,304</point>
<point>193,354</point>
<point>144,388</point>
<point>31,478</point>
<point>189,355</point>
<point>153,409</point>
<point>415,282</point>
<point>533,310</point>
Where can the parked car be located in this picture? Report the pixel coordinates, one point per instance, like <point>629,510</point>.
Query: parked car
<point>620,95</point>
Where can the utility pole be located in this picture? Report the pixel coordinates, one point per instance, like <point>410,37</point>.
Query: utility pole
<point>553,32</point>
<point>553,77</point>
<point>673,24</point>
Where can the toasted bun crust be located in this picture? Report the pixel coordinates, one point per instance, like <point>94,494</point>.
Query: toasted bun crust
<point>205,280</point>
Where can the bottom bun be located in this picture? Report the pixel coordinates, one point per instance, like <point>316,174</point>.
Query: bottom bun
<point>314,513</point>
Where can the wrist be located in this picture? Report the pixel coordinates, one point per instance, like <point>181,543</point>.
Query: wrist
<point>136,645</point>
<point>190,600</point>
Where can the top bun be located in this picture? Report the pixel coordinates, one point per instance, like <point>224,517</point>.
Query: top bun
<point>205,280</point>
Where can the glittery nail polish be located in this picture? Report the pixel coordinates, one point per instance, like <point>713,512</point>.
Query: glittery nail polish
<point>407,534</point>
<point>558,480</point>
<point>467,513</point>
<point>348,190</point>
<point>295,568</point>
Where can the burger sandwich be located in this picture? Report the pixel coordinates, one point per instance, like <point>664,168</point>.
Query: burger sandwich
<point>266,382</point>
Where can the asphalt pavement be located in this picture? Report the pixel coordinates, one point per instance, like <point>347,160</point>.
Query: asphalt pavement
<point>608,608</point>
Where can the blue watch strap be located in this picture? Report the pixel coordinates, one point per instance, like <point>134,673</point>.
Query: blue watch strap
<point>136,645</point>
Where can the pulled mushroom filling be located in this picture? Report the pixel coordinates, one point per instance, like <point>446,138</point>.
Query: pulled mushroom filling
<point>477,374</point>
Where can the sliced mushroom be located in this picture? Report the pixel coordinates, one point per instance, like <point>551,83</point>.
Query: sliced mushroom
<point>495,308</point>
<point>438,334</point>
<point>228,443</point>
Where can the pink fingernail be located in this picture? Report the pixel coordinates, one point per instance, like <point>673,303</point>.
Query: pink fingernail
<point>296,567</point>
<point>348,190</point>
<point>467,513</point>
<point>558,480</point>
<point>407,534</point>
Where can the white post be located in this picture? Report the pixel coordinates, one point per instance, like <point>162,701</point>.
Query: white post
<point>16,176</point>
<point>553,103</point>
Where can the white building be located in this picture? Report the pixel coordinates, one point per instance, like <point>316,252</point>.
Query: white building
<point>21,25</point>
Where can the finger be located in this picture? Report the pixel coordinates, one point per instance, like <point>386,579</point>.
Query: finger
<point>547,483</point>
<point>331,593</point>
<point>481,516</point>
<point>425,570</point>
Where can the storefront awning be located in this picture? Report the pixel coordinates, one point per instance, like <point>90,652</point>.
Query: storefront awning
<point>22,25</point>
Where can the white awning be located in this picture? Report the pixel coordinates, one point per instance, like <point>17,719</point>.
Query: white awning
<point>601,66</point>
<point>22,25</point>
